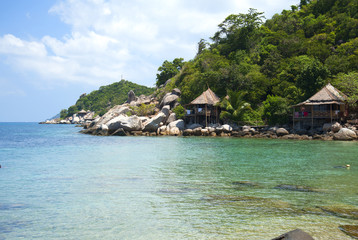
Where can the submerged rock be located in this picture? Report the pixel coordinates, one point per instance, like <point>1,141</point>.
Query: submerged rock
<point>350,212</point>
<point>245,184</point>
<point>350,230</point>
<point>297,234</point>
<point>296,188</point>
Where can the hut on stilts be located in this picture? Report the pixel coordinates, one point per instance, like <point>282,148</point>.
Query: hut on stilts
<point>327,105</point>
<point>204,109</point>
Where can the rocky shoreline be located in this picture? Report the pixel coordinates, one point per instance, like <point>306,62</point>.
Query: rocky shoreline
<point>122,121</point>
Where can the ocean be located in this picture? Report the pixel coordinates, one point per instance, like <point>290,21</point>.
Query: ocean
<point>56,183</point>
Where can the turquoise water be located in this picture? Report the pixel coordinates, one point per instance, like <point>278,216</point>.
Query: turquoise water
<point>58,184</point>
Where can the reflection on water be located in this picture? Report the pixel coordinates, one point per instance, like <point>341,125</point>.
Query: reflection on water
<point>83,187</point>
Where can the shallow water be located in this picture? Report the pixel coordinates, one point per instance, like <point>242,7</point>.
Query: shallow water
<point>58,184</point>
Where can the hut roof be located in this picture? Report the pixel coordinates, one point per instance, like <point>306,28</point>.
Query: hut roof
<point>207,97</point>
<point>327,95</point>
<point>82,112</point>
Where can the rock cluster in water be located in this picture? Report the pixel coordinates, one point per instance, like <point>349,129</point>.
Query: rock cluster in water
<point>82,117</point>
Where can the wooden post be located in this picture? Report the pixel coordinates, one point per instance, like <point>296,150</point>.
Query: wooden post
<point>217,113</point>
<point>293,118</point>
<point>312,115</point>
<point>331,111</point>
<point>206,115</point>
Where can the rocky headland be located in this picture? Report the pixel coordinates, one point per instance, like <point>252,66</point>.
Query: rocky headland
<point>123,120</point>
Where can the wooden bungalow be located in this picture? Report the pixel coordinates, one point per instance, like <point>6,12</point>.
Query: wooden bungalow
<point>327,105</point>
<point>203,109</point>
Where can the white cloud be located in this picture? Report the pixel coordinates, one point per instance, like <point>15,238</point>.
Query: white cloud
<point>111,38</point>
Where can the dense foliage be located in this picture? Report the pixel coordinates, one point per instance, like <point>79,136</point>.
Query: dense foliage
<point>277,63</point>
<point>106,97</point>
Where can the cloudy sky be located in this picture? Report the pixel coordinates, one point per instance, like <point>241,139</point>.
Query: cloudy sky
<point>53,51</point>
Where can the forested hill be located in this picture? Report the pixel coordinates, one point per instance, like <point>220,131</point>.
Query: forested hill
<point>266,66</point>
<point>106,97</point>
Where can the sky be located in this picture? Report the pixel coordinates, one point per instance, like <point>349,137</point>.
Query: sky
<point>53,51</point>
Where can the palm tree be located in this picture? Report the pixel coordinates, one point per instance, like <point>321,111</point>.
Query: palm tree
<point>234,106</point>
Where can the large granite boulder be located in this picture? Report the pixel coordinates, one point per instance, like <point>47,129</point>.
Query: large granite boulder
<point>281,132</point>
<point>132,123</point>
<point>336,127</point>
<point>172,117</point>
<point>226,128</point>
<point>153,124</point>
<point>345,134</point>
<point>112,113</point>
<point>75,120</point>
<point>169,99</point>
<point>180,124</point>
<point>176,91</point>
<point>327,127</point>
<point>131,97</point>
<point>174,131</point>
<point>297,234</point>
<point>166,111</point>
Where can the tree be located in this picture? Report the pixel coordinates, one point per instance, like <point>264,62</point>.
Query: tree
<point>234,107</point>
<point>312,78</point>
<point>63,113</point>
<point>237,32</point>
<point>202,45</point>
<point>276,110</point>
<point>179,111</point>
<point>169,70</point>
<point>348,84</point>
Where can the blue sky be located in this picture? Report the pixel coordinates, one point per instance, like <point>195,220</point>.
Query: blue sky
<point>53,51</point>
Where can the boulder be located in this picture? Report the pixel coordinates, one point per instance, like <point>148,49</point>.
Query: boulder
<point>345,134</point>
<point>327,127</point>
<point>197,131</point>
<point>162,130</point>
<point>174,131</point>
<point>131,97</point>
<point>227,128</point>
<point>75,120</point>
<point>176,91</point>
<point>336,127</point>
<point>211,129</point>
<point>132,123</point>
<point>172,117</point>
<point>297,234</point>
<point>169,99</point>
<point>153,124</point>
<point>166,111</point>
<point>178,123</point>
<point>281,132</point>
<point>112,113</point>
<point>188,132</point>
<point>246,128</point>
<point>205,132</point>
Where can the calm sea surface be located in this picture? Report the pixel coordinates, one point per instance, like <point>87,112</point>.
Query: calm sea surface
<point>58,184</point>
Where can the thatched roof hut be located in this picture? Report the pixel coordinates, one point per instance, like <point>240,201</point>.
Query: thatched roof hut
<point>327,105</point>
<point>327,95</point>
<point>208,97</point>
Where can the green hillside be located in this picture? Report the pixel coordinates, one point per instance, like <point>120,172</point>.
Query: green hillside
<point>106,97</point>
<point>270,65</point>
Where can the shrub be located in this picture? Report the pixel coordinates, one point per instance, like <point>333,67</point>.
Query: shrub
<point>179,111</point>
<point>276,110</point>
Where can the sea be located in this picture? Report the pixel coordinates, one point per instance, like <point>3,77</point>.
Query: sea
<point>56,183</point>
